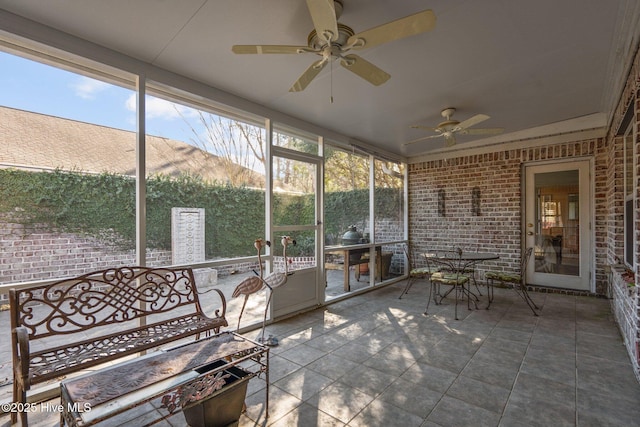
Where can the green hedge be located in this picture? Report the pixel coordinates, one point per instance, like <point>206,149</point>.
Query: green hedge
<point>104,206</point>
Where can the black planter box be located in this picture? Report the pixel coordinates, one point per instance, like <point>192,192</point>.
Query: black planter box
<point>224,407</point>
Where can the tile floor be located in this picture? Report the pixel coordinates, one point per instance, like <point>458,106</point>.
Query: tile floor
<point>375,360</point>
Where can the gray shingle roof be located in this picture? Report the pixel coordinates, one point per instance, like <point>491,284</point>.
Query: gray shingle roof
<point>36,140</point>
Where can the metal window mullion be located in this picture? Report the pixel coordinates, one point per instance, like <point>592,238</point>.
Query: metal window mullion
<point>372,228</point>
<point>268,200</point>
<point>320,232</point>
<point>141,183</point>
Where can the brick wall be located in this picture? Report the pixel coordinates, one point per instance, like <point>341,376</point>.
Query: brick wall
<point>498,229</point>
<point>615,202</point>
<point>29,255</point>
<point>625,302</point>
<point>498,176</point>
<point>389,230</point>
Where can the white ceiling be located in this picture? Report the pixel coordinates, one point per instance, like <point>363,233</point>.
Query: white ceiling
<point>533,66</point>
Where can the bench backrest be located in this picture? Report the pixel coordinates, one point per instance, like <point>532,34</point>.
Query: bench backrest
<point>102,298</point>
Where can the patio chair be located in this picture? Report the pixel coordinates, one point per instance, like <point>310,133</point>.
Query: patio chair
<point>418,268</point>
<point>451,273</point>
<point>469,270</point>
<point>514,281</point>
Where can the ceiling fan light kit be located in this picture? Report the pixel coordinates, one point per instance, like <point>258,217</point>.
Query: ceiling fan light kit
<point>332,41</point>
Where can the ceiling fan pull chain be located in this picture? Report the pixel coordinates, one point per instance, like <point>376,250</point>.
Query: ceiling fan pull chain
<point>331,81</point>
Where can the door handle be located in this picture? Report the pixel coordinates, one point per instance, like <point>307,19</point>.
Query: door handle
<point>529,233</point>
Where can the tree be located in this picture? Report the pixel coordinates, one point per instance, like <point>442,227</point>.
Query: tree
<point>345,171</point>
<point>240,146</point>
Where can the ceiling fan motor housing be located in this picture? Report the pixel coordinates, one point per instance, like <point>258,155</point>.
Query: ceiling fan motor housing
<point>344,32</point>
<point>447,125</point>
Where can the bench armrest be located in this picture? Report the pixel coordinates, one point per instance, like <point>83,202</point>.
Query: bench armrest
<point>223,302</point>
<point>21,356</point>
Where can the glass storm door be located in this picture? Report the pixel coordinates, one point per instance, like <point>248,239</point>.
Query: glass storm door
<point>557,225</point>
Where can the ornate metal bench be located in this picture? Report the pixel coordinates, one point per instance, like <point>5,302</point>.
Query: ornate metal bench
<point>77,323</point>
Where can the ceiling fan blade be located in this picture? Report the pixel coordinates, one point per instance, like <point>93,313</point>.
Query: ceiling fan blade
<point>364,69</point>
<point>323,15</point>
<point>306,77</point>
<point>404,27</point>
<point>422,139</point>
<point>485,131</point>
<point>266,49</point>
<point>471,122</point>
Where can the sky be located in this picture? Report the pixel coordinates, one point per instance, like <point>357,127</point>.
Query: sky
<point>33,86</point>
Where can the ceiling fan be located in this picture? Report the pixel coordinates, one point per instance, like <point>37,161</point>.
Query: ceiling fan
<point>332,41</point>
<point>449,128</point>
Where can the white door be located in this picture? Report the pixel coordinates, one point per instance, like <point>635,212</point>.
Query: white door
<point>557,224</point>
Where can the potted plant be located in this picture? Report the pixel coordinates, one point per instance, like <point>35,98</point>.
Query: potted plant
<point>629,278</point>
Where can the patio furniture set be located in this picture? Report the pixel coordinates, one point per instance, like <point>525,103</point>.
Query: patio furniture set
<point>74,324</point>
<point>456,271</point>
<point>113,314</point>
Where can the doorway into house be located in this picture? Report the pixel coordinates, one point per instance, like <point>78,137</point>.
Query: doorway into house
<point>557,224</point>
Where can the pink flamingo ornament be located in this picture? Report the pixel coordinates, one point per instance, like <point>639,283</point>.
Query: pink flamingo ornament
<point>253,284</point>
<point>272,281</point>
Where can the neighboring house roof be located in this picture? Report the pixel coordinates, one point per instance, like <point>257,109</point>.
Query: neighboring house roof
<point>35,140</point>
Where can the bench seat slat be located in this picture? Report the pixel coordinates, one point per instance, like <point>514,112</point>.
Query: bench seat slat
<point>59,361</point>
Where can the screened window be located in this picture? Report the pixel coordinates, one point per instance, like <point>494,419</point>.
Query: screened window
<point>389,216</point>
<point>67,173</point>
<point>205,178</point>
<point>346,183</point>
<point>293,139</point>
<point>389,201</point>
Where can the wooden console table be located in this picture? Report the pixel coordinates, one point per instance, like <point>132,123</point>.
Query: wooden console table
<point>175,377</point>
<point>347,251</point>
